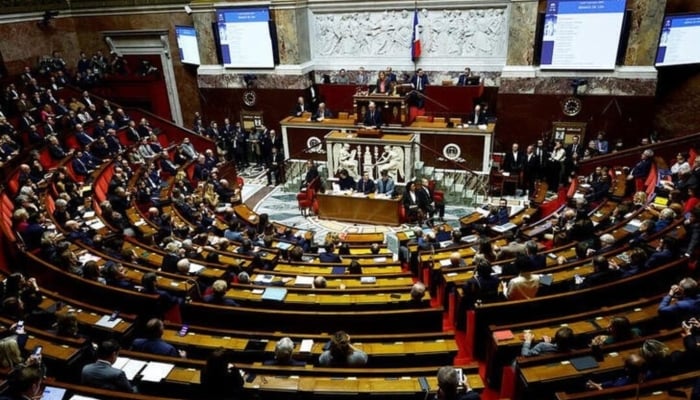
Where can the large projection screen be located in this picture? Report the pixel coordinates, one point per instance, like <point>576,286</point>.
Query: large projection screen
<point>679,42</point>
<point>582,34</point>
<point>244,37</point>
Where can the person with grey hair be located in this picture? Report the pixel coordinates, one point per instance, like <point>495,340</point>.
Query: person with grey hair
<point>607,243</point>
<point>243,278</point>
<point>641,170</point>
<point>60,213</point>
<point>183,266</point>
<point>417,292</point>
<point>666,217</point>
<point>449,385</point>
<point>283,354</point>
<point>320,282</point>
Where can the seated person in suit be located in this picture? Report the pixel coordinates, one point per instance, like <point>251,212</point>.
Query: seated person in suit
<point>101,374</point>
<point>462,80</point>
<point>499,215</point>
<point>322,112</point>
<point>311,173</point>
<point>329,255</point>
<point>300,107</point>
<point>525,285</point>
<point>385,185</point>
<point>153,343</point>
<point>345,181</point>
<point>218,291</point>
<point>341,353</point>
<point>283,354</point>
<point>373,117</point>
<point>477,117</point>
<point>681,302</point>
<point>365,184</point>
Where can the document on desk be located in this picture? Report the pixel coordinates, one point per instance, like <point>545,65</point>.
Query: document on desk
<point>505,227</point>
<point>106,323</point>
<point>195,268</point>
<point>53,393</point>
<point>130,366</point>
<point>274,293</point>
<point>156,371</point>
<point>81,397</point>
<point>304,281</point>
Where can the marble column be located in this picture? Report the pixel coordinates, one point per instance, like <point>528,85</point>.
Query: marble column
<point>521,35</point>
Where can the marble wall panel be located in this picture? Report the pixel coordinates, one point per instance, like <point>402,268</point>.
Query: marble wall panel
<point>596,86</point>
<point>521,35</point>
<point>647,16</point>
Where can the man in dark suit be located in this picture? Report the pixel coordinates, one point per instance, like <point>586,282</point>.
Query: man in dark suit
<point>463,77</point>
<point>329,255</point>
<point>274,167</point>
<point>153,343</point>
<point>311,173</point>
<point>574,147</point>
<point>101,374</point>
<point>538,260</point>
<point>300,107</point>
<point>514,161</point>
<point>365,185</point>
<point>373,117</point>
<point>418,82</point>
<point>477,117</point>
<point>321,113</point>
<point>531,168</point>
<point>390,75</point>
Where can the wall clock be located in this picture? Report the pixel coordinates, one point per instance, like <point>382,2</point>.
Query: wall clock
<point>571,106</point>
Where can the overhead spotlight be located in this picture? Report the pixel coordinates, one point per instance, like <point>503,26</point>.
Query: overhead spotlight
<point>188,9</point>
<point>46,19</point>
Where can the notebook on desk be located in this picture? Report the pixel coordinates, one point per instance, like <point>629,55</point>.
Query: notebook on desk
<point>584,363</point>
<point>274,294</point>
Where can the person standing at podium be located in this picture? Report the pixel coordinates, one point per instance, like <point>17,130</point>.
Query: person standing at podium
<point>365,185</point>
<point>373,118</point>
<point>383,84</point>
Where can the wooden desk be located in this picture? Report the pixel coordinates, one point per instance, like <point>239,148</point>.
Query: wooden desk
<point>365,209</point>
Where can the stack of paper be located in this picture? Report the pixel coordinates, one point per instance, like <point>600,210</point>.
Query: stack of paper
<point>106,323</point>
<point>306,346</point>
<point>130,366</point>
<point>304,281</point>
<point>156,371</point>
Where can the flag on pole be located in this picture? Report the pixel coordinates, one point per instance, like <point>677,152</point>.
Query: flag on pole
<point>415,44</point>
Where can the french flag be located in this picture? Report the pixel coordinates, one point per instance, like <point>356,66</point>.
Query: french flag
<point>415,45</point>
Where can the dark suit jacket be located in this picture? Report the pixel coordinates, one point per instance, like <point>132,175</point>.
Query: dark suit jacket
<point>423,80</point>
<point>365,187</point>
<point>373,119</point>
<point>154,346</point>
<point>530,167</point>
<point>102,375</point>
<point>579,150</point>
<point>329,258</point>
<point>297,109</point>
<point>481,118</point>
<point>510,164</point>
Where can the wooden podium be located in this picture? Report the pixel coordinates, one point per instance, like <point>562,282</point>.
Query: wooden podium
<point>394,109</point>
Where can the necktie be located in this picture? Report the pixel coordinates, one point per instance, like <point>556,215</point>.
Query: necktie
<point>420,86</point>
